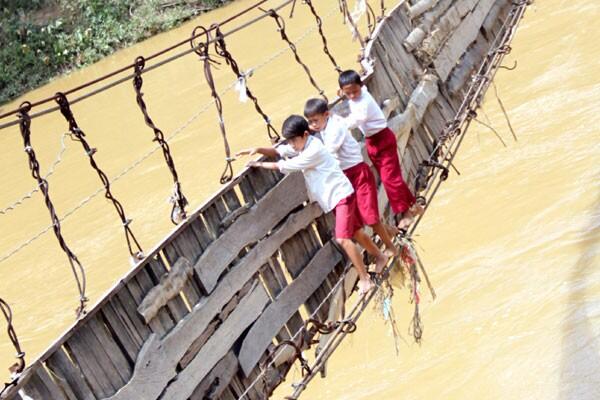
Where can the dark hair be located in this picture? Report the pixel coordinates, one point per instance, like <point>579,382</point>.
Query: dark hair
<point>315,107</point>
<point>349,77</point>
<point>294,126</point>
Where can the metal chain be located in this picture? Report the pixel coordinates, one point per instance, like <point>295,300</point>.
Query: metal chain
<point>79,136</point>
<point>34,166</point>
<point>281,29</point>
<point>202,51</point>
<point>19,366</point>
<point>323,38</point>
<point>178,199</point>
<point>221,49</point>
<point>348,17</point>
<point>17,203</point>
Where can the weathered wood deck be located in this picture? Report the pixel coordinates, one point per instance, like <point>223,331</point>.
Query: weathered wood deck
<point>198,315</point>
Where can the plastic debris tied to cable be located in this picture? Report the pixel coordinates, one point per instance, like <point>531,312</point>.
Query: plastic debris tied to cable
<point>281,29</point>
<point>202,50</point>
<point>34,166</point>
<point>78,135</point>
<point>178,200</point>
<point>242,85</point>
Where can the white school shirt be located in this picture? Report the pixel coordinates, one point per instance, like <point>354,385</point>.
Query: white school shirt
<point>340,143</point>
<point>325,182</point>
<point>365,114</point>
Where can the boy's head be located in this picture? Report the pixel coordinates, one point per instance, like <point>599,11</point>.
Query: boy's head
<point>296,131</point>
<point>350,84</point>
<point>316,112</point>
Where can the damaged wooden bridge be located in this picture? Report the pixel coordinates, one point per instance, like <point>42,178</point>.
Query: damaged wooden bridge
<point>201,315</point>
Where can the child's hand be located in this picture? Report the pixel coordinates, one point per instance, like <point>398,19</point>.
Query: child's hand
<point>246,152</point>
<point>341,94</point>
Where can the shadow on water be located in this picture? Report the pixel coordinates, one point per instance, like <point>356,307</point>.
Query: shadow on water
<point>580,365</point>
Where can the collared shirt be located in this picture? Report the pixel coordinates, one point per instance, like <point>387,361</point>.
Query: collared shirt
<point>340,143</point>
<point>325,182</point>
<point>365,114</point>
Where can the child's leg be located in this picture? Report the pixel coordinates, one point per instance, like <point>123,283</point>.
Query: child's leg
<point>347,224</point>
<point>383,152</point>
<point>383,232</point>
<point>365,241</point>
<point>364,283</point>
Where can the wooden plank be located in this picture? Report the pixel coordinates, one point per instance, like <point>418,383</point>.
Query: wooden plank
<point>461,38</point>
<point>250,307</point>
<point>138,287</point>
<point>287,303</point>
<point>124,330</point>
<point>217,380</point>
<point>154,368</point>
<point>69,376</point>
<point>176,305</point>
<point>416,36</point>
<point>168,288</point>
<point>250,227</point>
<point>111,348</point>
<point>41,386</point>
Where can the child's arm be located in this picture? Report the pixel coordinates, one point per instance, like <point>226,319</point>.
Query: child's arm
<point>265,151</point>
<point>263,164</point>
<point>356,117</point>
<point>334,138</point>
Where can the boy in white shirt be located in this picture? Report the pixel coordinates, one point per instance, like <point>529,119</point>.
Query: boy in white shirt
<point>339,142</point>
<point>366,115</point>
<point>327,185</point>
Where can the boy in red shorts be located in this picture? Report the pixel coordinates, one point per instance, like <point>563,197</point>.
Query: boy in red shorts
<point>366,115</point>
<point>327,185</point>
<point>339,141</point>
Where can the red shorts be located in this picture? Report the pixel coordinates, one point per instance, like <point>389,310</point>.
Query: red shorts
<point>382,149</point>
<point>365,189</point>
<point>347,221</point>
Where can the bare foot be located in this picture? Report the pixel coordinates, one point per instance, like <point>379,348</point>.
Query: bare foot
<point>391,252</point>
<point>365,285</point>
<point>381,262</point>
<point>417,209</point>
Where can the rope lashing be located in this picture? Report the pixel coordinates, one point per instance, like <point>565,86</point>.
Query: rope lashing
<point>34,166</point>
<point>202,51</point>
<point>416,326</point>
<point>19,366</point>
<point>78,135</point>
<point>323,38</point>
<point>281,29</point>
<point>221,50</point>
<point>512,131</point>
<point>178,200</point>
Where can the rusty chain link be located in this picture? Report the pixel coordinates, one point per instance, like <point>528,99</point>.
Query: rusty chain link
<point>281,29</point>
<point>179,201</point>
<point>221,50</point>
<point>19,366</point>
<point>34,166</point>
<point>202,51</point>
<point>78,135</point>
<point>323,38</point>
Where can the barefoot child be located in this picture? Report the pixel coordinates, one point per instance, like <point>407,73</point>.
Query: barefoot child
<point>381,145</point>
<point>327,185</point>
<point>346,150</point>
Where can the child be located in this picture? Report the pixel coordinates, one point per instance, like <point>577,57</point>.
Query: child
<point>381,146</point>
<point>326,184</point>
<point>340,143</point>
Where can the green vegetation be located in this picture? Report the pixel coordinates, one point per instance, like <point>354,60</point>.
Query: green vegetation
<point>40,39</point>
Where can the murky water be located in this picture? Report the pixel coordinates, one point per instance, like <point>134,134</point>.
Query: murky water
<point>512,244</point>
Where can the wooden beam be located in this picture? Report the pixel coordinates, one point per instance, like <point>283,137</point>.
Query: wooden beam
<point>287,303</point>
<point>217,380</point>
<point>416,36</point>
<point>169,287</point>
<point>288,194</point>
<point>421,7</point>
<point>218,345</point>
<point>158,359</point>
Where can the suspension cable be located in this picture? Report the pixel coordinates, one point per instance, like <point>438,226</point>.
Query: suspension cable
<point>348,17</point>
<point>177,198</point>
<point>221,49</point>
<point>323,38</point>
<point>281,29</point>
<point>34,166</point>
<point>79,136</point>
<point>202,51</point>
<point>19,366</point>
